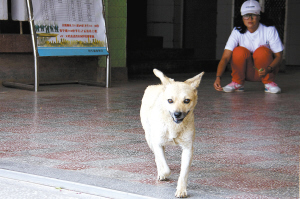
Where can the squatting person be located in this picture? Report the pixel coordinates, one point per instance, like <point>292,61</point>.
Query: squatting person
<point>254,49</point>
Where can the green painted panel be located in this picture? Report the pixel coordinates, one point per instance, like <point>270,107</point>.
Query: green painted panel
<point>116,19</point>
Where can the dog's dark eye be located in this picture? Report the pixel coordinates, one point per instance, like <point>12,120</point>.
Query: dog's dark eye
<point>186,101</point>
<point>170,101</point>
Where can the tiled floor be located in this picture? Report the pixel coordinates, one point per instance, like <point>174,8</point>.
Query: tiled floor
<point>247,144</point>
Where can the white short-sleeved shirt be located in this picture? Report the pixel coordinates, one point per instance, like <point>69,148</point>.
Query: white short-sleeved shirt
<point>263,36</point>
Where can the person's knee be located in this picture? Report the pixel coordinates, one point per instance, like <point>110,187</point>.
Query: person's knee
<point>240,53</point>
<point>262,52</point>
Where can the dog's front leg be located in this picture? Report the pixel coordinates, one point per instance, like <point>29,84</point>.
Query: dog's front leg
<point>163,169</point>
<point>186,160</point>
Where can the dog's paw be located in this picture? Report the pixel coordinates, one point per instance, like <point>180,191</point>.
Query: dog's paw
<point>181,193</point>
<point>163,175</point>
<point>162,178</point>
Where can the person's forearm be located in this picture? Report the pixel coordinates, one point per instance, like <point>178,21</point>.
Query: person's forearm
<point>223,62</point>
<point>277,61</point>
<point>221,67</point>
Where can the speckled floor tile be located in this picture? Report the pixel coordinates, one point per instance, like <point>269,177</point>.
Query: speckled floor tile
<point>247,144</point>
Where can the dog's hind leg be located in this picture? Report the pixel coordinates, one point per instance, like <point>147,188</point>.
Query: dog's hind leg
<point>186,160</point>
<point>163,169</point>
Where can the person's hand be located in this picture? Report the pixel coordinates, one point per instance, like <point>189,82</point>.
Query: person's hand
<point>262,72</point>
<point>217,84</point>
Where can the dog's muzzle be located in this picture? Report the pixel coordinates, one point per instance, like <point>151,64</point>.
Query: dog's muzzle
<point>178,116</point>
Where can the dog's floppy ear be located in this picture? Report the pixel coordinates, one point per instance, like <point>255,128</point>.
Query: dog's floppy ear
<point>195,81</point>
<point>164,79</point>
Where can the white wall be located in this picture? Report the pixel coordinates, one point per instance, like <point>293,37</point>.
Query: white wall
<point>224,25</point>
<point>160,15</point>
<point>292,45</point>
<point>164,18</point>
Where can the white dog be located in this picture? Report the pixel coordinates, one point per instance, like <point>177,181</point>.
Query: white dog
<point>168,119</point>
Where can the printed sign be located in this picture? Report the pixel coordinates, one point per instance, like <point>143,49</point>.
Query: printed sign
<point>69,27</point>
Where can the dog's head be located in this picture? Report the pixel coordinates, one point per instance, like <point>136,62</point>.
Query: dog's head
<point>180,98</point>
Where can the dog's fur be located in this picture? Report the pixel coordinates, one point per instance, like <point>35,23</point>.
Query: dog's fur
<point>168,119</point>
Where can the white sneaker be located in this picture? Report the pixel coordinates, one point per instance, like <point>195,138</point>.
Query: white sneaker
<point>233,86</point>
<point>272,88</point>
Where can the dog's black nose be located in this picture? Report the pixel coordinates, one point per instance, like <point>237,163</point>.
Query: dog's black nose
<point>177,114</point>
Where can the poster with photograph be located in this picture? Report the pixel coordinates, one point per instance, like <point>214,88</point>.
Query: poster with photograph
<point>69,27</point>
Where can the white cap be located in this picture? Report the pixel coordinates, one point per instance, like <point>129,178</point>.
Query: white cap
<point>250,6</point>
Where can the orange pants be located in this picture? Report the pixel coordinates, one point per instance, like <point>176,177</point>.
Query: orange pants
<point>242,63</point>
